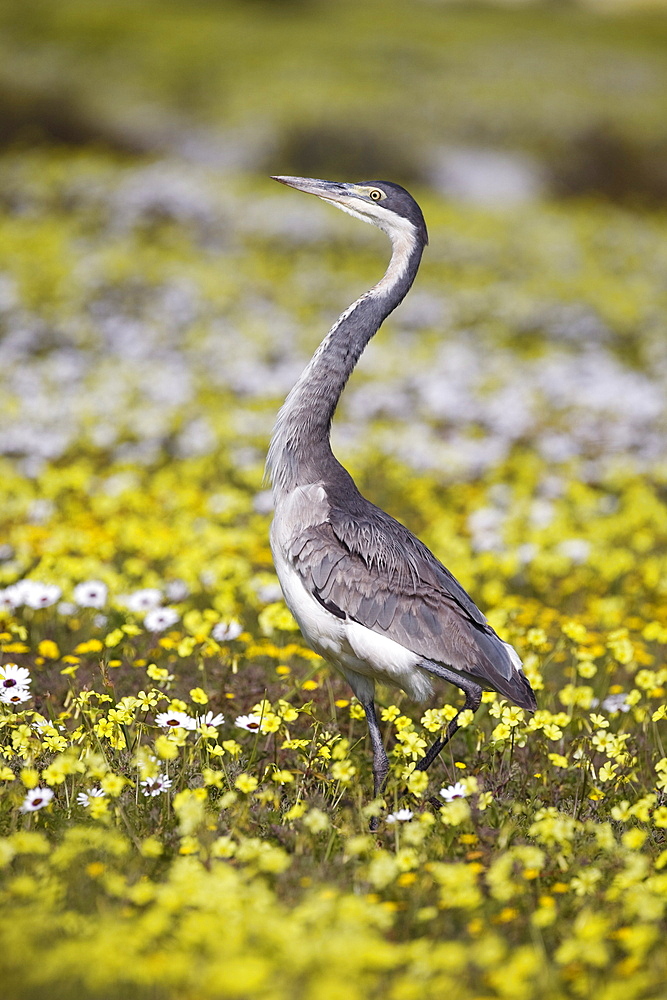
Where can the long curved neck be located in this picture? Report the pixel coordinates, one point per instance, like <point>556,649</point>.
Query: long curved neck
<point>300,450</point>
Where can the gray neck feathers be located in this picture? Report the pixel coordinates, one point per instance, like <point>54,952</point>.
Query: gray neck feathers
<point>300,451</point>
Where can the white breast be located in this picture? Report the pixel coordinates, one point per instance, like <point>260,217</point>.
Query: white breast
<point>350,647</point>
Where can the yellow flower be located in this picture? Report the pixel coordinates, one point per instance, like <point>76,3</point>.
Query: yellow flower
<point>634,839</point>
<point>417,782</point>
<point>49,649</point>
<point>382,869</point>
<point>90,646</point>
<point>270,723</point>
<point>574,630</point>
<point>223,847</point>
<point>113,784</point>
<point>608,771</point>
<point>622,811</point>
<point>246,783</point>
<point>501,732</point>
<point>455,812</point>
<point>432,720</point>
<point>165,747</point>
<point>484,800</point>
<point>286,711</point>
<point>390,713</point>
<point>98,808</point>
<point>188,845</point>
<point>104,727</point>
<point>157,673</point>
<point>296,811</point>
<point>199,696</point>
<point>282,777</point>
<point>585,882</point>
<point>413,746</point>
<point>151,847</point>
<point>316,821</point>
<point>660,817</point>
<point>511,715</point>
<point>114,638</point>
<point>30,777</point>
<point>211,777</point>
<point>599,721</point>
<point>343,770</point>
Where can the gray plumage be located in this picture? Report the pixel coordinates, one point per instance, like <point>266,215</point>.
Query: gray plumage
<point>367,594</point>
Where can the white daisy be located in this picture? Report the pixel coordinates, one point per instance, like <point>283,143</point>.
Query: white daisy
<point>576,549</point>
<point>210,720</point>
<point>83,798</point>
<point>43,595</point>
<point>91,594</point>
<point>14,695</point>
<point>400,816</point>
<point>34,594</point>
<point>269,593</point>
<point>11,675</point>
<point>177,590</point>
<point>158,619</point>
<point>616,703</point>
<point>155,786</point>
<point>175,720</point>
<point>144,600</point>
<point>36,799</point>
<point>226,631</point>
<point>250,722</point>
<point>7,599</point>
<point>456,791</point>
<point>46,727</point>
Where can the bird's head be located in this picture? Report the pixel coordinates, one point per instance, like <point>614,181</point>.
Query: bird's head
<point>383,204</point>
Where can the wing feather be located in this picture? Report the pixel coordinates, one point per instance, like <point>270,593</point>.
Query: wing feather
<point>373,569</point>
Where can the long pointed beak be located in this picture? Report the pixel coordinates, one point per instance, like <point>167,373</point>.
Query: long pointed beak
<point>329,190</point>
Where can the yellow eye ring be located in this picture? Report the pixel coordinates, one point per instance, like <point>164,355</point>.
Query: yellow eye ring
<point>376,194</point>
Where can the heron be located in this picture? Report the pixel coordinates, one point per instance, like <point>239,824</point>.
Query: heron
<point>368,595</point>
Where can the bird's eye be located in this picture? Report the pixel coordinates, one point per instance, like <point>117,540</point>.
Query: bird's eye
<point>375,194</point>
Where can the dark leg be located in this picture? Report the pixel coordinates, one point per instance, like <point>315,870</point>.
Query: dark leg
<point>380,760</point>
<point>473,693</point>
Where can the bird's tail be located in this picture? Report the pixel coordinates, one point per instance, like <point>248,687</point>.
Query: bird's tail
<point>517,688</point>
<point>502,671</point>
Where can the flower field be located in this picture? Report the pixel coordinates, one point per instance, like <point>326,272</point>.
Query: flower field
<point>185,796</point>
<point>185,788</point>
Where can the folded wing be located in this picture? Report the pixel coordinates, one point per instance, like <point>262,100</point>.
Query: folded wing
<point>362,564</point>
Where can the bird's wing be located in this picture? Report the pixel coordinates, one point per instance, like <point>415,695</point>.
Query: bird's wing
<point>364,565</point>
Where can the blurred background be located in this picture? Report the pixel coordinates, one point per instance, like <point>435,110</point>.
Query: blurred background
<point>482,102</point>
<point>159,294</point>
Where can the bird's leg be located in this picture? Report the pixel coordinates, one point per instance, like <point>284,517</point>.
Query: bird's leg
<point>473,693</point>
<point>380,759</point>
